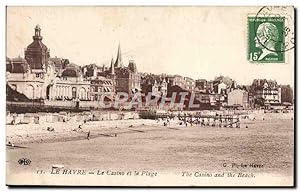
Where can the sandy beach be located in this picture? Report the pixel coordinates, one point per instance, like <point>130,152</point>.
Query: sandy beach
<point>77,130</point>
<point>148,145</point>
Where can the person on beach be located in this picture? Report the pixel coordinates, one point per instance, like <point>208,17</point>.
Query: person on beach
<point>168,120</point>
<point>88,135</point>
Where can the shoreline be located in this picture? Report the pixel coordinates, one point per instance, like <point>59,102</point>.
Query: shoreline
<point>70,131</point>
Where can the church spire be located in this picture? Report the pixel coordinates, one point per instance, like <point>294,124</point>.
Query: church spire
<point>119,62</point>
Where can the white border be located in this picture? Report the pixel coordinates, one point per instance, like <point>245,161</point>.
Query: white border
<point>4,3</point>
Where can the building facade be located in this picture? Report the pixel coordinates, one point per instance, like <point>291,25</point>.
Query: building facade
<point>160,88</point>
<point>185,83</point>
<point>176,80</point>
<point>238,97</point>
<point>268,90</point>
<point>190,84</point>
<point>126,79</point>
<point>101,87</point>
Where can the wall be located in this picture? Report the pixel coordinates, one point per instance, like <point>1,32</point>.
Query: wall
<point>39,118</point>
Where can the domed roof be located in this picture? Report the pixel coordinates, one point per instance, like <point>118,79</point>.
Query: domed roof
<point>18,59</point>
<point>71,72</point>
<point>37,40</point>
<point>37,45</point>
<point>17,65</point>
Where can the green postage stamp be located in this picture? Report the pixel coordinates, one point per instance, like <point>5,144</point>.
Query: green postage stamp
<point>266,39</point>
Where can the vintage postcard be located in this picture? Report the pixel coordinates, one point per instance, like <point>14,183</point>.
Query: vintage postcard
<point>150,96</point>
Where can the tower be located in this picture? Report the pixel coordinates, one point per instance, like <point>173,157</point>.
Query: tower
<point>119,62</point>
<point>37,54</point>
<point>37,34</point>
<point>112,75</point>
<point>132,66</point>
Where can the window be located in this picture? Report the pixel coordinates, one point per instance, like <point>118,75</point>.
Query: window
<point>74,93</point>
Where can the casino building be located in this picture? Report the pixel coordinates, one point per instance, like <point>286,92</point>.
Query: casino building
<point>38,76</point>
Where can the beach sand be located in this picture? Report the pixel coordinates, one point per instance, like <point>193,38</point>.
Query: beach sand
<point>147,145</point>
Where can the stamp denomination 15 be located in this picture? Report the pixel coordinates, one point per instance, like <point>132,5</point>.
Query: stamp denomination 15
<point>270,35</point>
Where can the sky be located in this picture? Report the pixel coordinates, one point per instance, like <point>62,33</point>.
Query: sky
<point>197,42</point>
